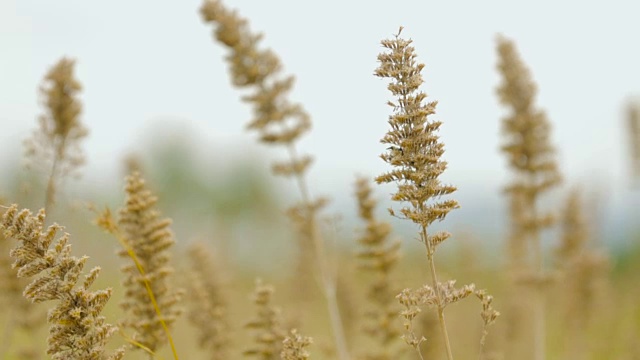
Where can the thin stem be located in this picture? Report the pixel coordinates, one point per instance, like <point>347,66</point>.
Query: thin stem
<point>115,231</point>
<point>482,342</point>
<point>328,281</point>
<point>51,183</point>
<point>436,287</point>
<point>538,269</point>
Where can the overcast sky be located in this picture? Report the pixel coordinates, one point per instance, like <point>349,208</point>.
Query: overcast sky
<point>147,64</point>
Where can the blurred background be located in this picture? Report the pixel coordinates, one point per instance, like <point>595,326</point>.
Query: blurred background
<point>156,88</point>
<point>156,93</point>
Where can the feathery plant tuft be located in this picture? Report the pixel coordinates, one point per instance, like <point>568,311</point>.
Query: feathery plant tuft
<point>208,306</point>
<point>294,346</point>
<point>279,122</point>
<point>275,118</point>
<point>415,154</point>
<point>150,238</point>
<point>151,303</point>
<point>267,325</point>
<point>532,159</point>
<point>77,330</point>
<point>56,143</point>
<point>378,256</point>
<point>583,271</point>
<point>23,315</point>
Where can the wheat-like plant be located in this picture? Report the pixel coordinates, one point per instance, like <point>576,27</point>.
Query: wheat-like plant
<point>531,157</point>
<point>415,154</point>
<point>77,330</point>
<point>267,325</point>
<point>378,256</point>
<point>294,346</point>
<point>583,270</point>
<point>22,315</point>
<point>148,235</point>
<point>56,142</point>
<point>208,306</point>
<point>279,122</point>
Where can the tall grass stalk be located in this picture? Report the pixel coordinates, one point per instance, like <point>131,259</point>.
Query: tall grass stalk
<point>415,152</point>
<point>279,122</point>
<point>532,159</point>
<point>107,222</point>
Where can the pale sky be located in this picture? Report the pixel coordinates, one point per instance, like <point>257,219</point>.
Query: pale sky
<point>143,62</point>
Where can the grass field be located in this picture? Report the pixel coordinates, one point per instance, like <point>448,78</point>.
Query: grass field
<point>182,265</point>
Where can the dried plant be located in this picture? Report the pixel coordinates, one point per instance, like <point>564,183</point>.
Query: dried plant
<point>22,315</point>
<point>267,325</point>
<point>55,145</point>
<point>279,122</point>
<point>415,154</point>
<point>574,231</point>
<point>149,237</point>
<point>583,271</point>
<point>77,330</point>
<point>294,346</point>
<point>378,256</point>
<point>208,306</point>
<point>488,315</point>
<point>531,157</point>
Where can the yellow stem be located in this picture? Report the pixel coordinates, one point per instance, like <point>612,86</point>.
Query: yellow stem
<point>115,231</point>
<point>139,345</point>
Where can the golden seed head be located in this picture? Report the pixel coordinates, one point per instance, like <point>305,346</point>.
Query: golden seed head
<point>148,235</point>
<point>414,149</point>
<point>77,331</point>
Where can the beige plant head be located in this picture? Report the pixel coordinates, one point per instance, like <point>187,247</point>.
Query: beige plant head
<point>294,346</point>
<point>55,145</point>
<point>266,325</point>
<point>531,157</point>
<point>208,305</point>
<point>414,149</point>
<point>275,118</point>
<point>22,316</point>
<point>148,235</point>
<point>526,129</point>
<point>77,330</point>
<point>415,153</point>
<point>378,256</point>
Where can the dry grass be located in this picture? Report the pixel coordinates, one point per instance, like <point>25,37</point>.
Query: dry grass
<point>77,329</point>
<point>531,158</point>
<point>569,301</point>
<point>55,146</point>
